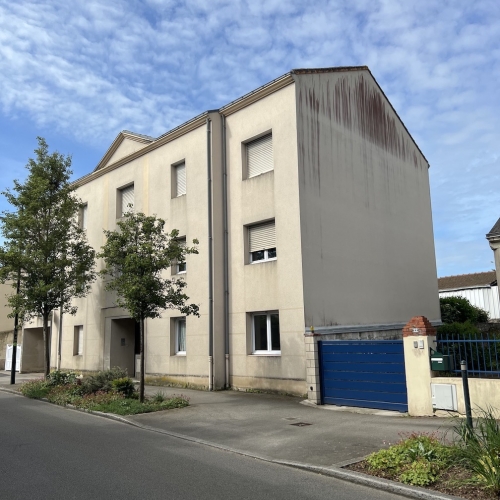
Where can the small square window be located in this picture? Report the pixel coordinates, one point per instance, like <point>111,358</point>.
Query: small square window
<point>266,333</point>
<point>78,341</point>
<point>180,336</point>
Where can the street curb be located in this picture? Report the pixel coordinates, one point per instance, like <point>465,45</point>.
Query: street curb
<point>333,471</point>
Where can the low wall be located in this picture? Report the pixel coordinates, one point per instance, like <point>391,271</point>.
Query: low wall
<point>484,392</point>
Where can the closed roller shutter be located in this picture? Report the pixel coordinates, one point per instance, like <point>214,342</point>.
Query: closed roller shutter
<point>84,216</point>
<point>127,198</point>
<point>262,236</point>
<point>80,340</point>
<point>180,175</point>
<point>260,156</point>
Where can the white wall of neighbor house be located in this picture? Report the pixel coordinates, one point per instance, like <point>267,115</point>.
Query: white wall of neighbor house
<point>486,298</point>
<point>273,285</point>
<point>367,239</point>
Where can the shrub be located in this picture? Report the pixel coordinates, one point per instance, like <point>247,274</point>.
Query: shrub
<point>416,460</point>
<point>35,389</point>
<point>464,330</point>
<point>159,397</point>
<point>460,310</point>
<point>102,381</point>
<point>63,394</point>
<point>124,386</point>
<point>480,447</point>
<point>61,378</point>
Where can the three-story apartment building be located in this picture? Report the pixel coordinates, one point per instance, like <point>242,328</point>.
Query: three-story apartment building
<point>311,204</point>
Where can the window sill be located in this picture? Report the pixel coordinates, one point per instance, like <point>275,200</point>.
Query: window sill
<point>263,261</point>
<point>180,272</point>
<point>180,354</point>
<point>267,354</point>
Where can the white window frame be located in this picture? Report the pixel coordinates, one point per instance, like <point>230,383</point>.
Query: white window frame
<point>269,351</point>
<point>266,251</point>
<point>177,265</point>
<point>177,324</point>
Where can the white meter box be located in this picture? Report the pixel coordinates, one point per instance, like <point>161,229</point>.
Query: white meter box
<point>444,397</point>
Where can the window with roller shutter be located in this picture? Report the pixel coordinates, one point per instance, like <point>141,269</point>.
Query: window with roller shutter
<point>262,242</point>
<point>127,198</point>
<point>259,156</point>
<point>180,179</point>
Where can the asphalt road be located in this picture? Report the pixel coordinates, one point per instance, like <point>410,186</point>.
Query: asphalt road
<point>47,452</point>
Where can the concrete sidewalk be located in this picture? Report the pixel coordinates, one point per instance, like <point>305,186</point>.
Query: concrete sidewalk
<point>265,425</point>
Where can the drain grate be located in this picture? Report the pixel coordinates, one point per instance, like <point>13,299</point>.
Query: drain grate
<point>301,424</point>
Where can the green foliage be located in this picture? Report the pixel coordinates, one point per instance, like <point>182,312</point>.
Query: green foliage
<point>35,389</point>
<point>124,386</point>
<point>460,310</point>
<point>61,378</point>
<point>464,330</point>
<point>480,447</point>
<point>44,243</point>
<point>102,381</point>
<point>416,460</point>
<point>159,397</point>
<point>136,256</point>
<point>64,394</point>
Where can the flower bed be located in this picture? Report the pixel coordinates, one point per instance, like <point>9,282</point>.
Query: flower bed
<point>109,391</point>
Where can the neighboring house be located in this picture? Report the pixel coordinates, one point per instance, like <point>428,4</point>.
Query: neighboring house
<point>6,323</point>
<point>480,289</point>
<point>493,238</point>
<point>311,203</point>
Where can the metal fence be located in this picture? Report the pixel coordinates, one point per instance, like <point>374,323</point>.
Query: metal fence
<point>481,353</point>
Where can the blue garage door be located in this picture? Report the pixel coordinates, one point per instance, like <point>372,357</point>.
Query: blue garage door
<point>364,373</point>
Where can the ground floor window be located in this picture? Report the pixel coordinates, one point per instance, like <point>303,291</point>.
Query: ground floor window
<point>266,333</point>
<point>180,336</point>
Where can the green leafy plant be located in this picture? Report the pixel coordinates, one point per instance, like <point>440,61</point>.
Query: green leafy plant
<point>61,378</point>
<point>460,310</point>
<point>480,447</point>
<point>159,397</point>
<point>417,459</point>
<point>123,385</point>
<point>103,380</point>
<point>35,389</point>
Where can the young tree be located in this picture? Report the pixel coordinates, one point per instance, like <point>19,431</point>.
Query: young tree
<point>44,244</point>
<point>136,257</point>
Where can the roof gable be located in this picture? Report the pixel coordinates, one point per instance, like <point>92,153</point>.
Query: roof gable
<point>494,231</point>
<point>125,143</point>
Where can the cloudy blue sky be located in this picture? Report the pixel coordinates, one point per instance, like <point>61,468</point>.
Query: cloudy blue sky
<point>77,73</point>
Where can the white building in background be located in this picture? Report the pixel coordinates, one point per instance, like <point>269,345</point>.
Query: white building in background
<point>480,289</point>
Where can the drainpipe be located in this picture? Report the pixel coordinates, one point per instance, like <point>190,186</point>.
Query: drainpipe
<point>226,249</point>
<point>210,263</point>
<point>59,338</point>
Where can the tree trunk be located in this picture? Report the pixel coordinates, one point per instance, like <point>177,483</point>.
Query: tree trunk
<point>46,344</point>
<point>141,384</point>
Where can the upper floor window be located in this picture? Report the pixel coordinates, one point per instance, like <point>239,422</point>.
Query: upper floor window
<point>179,179</point>
<point>78,341</point>
<point>259,156</point>
<point>262,242</point>
<point>180,336</point>
<point>83,216</point>
<point>179,267</point>
<point>126,199</point>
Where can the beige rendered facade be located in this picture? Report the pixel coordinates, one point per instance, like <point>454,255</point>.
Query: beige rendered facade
<point>339,205</point>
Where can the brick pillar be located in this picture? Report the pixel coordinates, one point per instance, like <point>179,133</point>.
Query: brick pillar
<point>418,336</point>
<point>312,368</point>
